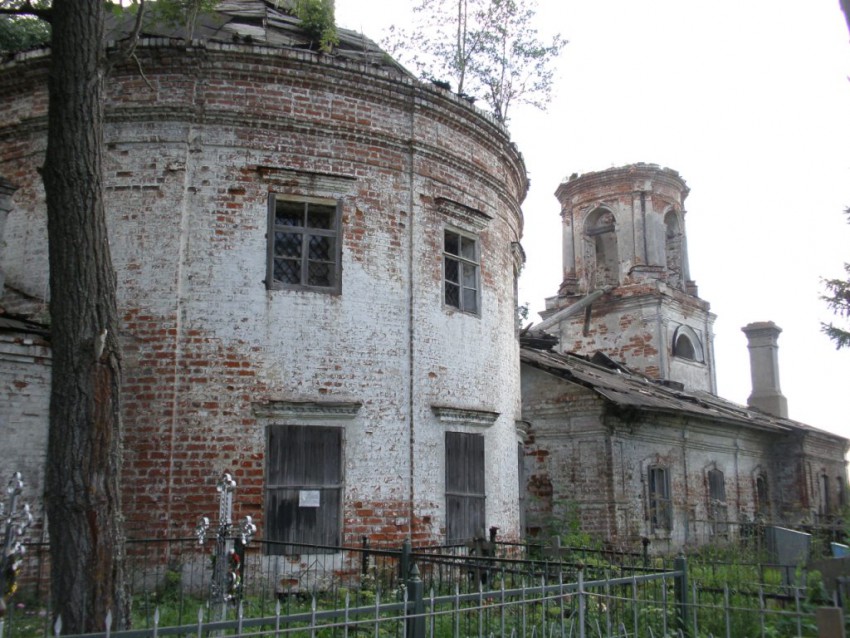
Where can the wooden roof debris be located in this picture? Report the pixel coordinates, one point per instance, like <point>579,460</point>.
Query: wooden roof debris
<point>257,22</point>
<point>627,388</point>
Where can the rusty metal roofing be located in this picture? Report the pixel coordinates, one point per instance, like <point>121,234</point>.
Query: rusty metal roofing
<point>253,22</point>
<point>629,389</point>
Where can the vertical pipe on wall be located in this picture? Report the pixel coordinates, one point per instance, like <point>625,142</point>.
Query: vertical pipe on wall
<point>411,312</point>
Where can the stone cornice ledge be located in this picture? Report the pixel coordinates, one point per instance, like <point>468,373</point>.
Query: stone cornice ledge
<point>306,409</point>
<point>464,416</point>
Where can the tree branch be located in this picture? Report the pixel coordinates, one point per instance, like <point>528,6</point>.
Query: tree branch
<point>27,9</point>
<point>128,48</point>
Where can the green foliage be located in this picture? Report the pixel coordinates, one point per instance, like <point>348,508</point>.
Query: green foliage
<point>565,524</point>
<point>317,19</point>
<point>837,299</point>
<point>488,47</point>
<point>19,33</point>
<point>181,12</point>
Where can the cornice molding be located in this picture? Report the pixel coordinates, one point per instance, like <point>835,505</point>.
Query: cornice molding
<point>457,212</point>
<point>306,410</point>
<point>464,416</point>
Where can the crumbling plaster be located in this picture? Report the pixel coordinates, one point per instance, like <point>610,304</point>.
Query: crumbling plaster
<point>192,152</point>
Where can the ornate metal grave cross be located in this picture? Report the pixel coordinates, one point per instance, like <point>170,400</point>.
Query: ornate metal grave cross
<point>229,554</point>
<point>15,522</point>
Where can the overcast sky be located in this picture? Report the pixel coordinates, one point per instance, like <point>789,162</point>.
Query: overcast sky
<point>749,100</point>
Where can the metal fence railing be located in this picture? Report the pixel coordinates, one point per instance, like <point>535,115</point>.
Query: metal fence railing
<point>500,589</point>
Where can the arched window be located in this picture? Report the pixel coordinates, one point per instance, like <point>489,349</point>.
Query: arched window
<point>602,256</point>
<point>673,246</point>
<point>686,345</point>
<point>684,348</point>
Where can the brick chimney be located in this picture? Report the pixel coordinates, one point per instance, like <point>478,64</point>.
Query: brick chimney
<point>764,368</point>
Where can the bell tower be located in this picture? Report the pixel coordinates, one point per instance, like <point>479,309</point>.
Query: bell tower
<point>626,288</point>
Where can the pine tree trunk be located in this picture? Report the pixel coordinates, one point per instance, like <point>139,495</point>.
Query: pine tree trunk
<point>84,444</point>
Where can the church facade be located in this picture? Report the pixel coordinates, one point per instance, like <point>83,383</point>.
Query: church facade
<point>624,428</point>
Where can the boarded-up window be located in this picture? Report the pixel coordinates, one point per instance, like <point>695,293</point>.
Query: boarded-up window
<point>522,486</point>
<point>762,498</point>
<point>660,505</point>
<point>717,510</point>
<point>303,487</point>
<point>823,506</point>
<point>464,486</point>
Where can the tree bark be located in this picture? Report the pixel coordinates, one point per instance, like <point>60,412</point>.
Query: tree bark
<point>84,443</point>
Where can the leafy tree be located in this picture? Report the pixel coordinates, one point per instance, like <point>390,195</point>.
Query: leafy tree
<point>82,495</point>
<point>489,48</point>
<point>837,298</point>
<point>19,33</point>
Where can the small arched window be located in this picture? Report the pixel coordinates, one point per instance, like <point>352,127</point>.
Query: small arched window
<point>686,345</point>
<point>684,348</point>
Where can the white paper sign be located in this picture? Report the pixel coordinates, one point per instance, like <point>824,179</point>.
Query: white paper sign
<point>309,498</point>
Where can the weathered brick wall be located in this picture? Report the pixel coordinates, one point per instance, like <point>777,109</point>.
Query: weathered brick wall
<point>25,397</point>
<point>193,152</point>
<point>636,325</point>
<point>568,464</point>
<point>652,293</point>
<point>581,454</point>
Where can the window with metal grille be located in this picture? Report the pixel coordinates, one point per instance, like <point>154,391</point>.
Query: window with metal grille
<point>660,504</point>
<point>304,244</point>
<point>465,495</point>
<point>460,271</point>
<point>303,488</point>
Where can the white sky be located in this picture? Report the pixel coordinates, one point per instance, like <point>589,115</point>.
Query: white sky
<point>749,100</point>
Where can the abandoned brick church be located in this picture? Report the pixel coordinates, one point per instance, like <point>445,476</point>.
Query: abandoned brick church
<point>317,258</point>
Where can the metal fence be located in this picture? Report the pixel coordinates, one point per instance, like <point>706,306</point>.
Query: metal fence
<point>480,589</point>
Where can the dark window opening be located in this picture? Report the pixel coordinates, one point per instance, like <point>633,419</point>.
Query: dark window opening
<point>684,349</point>
<point>603,260</point>
<point>660,503</point>
<point>465,495</point>
<point>304,244</point>
<point>824,496</point>
<point>673,250</point>
<point>460,271</point>
<point>303,488</point>
<point>762,502</point>
<point>717,508</point>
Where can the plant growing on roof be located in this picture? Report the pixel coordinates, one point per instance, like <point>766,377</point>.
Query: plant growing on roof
<point>317,19</point>
<point>489,48</point>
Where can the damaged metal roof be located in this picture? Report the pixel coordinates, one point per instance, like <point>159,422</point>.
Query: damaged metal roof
<point>629,389</point>
<point>252,22</point>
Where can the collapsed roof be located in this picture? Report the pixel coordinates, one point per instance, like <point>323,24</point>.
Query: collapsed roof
<point>627,388</point>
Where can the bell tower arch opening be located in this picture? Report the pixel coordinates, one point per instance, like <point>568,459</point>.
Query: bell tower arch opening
<point>674,239</point>
<point>601,255</point>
